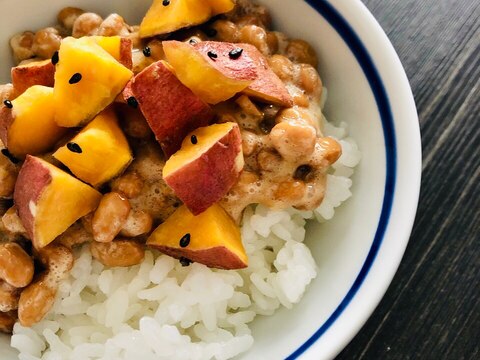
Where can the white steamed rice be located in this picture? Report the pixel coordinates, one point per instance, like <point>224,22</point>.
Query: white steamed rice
<point>161,310</point>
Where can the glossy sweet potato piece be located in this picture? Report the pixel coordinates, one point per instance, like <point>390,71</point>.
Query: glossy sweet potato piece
<point>34,73</point>
<point>221,6</point>
<point>207,166</point>
<point>99,152</point>
<point>211,238</point>
<point>28,126</point>
<point>208,69</point>
<point>170,108</point>
<point>265,86</point>
<point>87,80</point>
<point>120,48</point>
<point>49,200</point>
<point>165,17</point>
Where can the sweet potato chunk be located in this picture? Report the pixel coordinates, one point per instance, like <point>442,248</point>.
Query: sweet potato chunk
<point>49,200</point>
<point>267,86</point>
<point>99,152</point>
<point>28,126</point>
<point>164,17</point>
<point>120,48</point>
<point>209,69</point>
<point>171,109</point>
<point>87,80</point>
<point>211,238</point>
<point>34,73</point>
<point>221,6</point>
<point>207,166</point>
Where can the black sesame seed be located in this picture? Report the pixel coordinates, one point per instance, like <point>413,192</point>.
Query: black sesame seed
<point>185,240</point>
<point>302,172</point>
<point>131,101</point>
<point>212,55</point>
<point>193,139</point>
<point>235,53</point>
<point>270,112</point>
<point>166,2</point>
<point>265,127</point>
<point>10,157</point>
<point>55,58</point>
<point>75,78</point>
<point>192,41</point>
<point>8,104</point>
<point>184,261</point>
<point>211,32</point>
<point>267,124</point>
<point>74,147</point>
<point>147,52</point>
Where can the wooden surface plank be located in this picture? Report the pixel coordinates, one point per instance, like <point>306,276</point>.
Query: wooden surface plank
<point>432,308</point>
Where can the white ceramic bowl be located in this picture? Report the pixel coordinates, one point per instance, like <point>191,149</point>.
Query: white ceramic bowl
<point>359,251</point>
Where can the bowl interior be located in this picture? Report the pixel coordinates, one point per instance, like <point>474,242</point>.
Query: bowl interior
<point>340,246</point>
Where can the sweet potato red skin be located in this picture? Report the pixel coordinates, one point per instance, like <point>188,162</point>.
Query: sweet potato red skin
<point>250,65</point>
<point>127,92</point>
<point>267,81</point>
<point>32,172</point>
<point>38,73</point>
<point>217,257</point>
<point>6,119</point>
<point>126,53</point>
<point>171,109</point>
<point>243,68</point>
<point>207,179</point>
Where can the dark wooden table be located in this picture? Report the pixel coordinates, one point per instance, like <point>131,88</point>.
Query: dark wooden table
<point>432,308</point>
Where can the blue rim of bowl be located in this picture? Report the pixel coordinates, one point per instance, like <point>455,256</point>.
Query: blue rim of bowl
<point>338,22</point>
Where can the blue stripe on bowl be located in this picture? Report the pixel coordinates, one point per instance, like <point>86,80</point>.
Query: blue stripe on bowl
<point>337,21</point>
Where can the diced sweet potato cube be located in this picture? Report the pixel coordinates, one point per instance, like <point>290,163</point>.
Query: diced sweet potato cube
<point>170,108</point>
<point>211,238</point>
<point>267,86</point>
<point>87,80</point>
<point>28,127</point>
<point>49,200</point>
<point>165,17</point>
<point>209,70</point>
<point>34,73</point>
<point>207,166</point>
<point>162,19</point>
<point>120,48</point>
<point>221,6</point>
<point>99,152</point>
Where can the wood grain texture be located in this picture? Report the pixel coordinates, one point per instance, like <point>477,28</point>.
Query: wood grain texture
<point>432,308</point>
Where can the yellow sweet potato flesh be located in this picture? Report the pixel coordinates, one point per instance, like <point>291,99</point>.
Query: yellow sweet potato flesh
<point>215,239</point>
<point>119,48</point>
<point>110,44</point>
<point>206,137</point>
<point>221,6</point>
<point>76,199</point>
<point>161,19</point>
<point>194,71</point>
<point>105,150</point>
<point>102,79</point>
<point>49,200</point>
<point>33,129</point>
